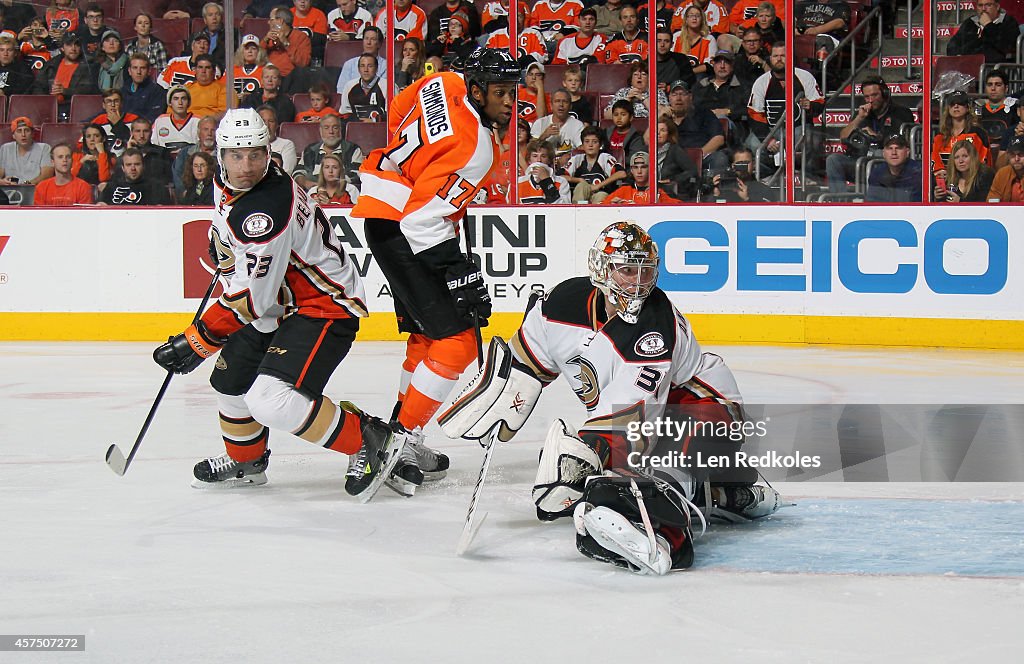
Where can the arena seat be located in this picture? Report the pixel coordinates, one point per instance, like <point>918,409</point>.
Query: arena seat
<point>111,8</point>
<point>85,107</point>
<point>338,53</point>
<point>367,135</point>
<point>302,134</point>
<point>39,108</point>
<point>53,133</point>
<point>607,78</point>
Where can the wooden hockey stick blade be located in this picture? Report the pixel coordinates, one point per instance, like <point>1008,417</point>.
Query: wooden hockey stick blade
<point>116,461</point>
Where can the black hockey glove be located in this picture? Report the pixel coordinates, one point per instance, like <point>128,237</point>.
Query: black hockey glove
<point>186,351</point>
<point>466,284</point>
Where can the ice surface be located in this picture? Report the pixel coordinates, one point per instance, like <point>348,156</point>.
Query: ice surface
<point>151,570</point>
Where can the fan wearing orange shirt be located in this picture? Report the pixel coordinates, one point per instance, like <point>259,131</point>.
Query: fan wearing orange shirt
<point>63,189</point>
<point>319,104</point>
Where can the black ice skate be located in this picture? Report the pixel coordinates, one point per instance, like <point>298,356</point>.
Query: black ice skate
<point>371,465</point>
<point>417,464</point>
<point>738,504</point>
<point>223,471</point>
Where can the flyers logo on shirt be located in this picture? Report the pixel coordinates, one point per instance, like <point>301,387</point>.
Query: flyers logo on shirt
<point>126,196</point>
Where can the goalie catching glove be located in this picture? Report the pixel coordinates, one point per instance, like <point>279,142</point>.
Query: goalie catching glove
<point>502,394</point>
<point>186,351</point>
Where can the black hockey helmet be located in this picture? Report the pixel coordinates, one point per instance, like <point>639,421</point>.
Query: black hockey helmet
<point>489,65</point>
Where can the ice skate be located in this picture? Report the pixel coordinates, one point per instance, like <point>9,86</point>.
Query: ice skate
<point>223,472</point>
<point>371,465</point>
<point>618,535</point>
<point>739,504</point>
<point>418,464</point>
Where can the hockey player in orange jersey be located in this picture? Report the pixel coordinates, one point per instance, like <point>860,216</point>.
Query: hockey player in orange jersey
<point>414,193</point>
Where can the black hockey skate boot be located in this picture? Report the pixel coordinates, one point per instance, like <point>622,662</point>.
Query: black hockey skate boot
<point>737,504</point>
<point>225,471</point>
<point>371,465</point>
<point>417,464</point>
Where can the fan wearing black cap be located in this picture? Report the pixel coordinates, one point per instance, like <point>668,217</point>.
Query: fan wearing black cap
<point>957,122</point>
<point>68,75</point>
<point>1008,186</point>
<point>898,180</point>
<point>697,127</point>
<point>723,92</point>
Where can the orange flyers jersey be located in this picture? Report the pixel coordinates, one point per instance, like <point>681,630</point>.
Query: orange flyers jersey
<point>531,42</point>
<point>177,72</point>
<point>309,115</point>
<point>744,12</point>
<point>622,51</point>
<point>248,78</point>
<point>280,256</point>
<point>498,39</point>
<point>526,100</point>
<point>530,192</point>
<point>942,147</point>
<point>551,16</point>
<point>700,52</point>
<point>411,24</point>
<point>630,195</point>
<point>715,13</point>
<point>34,57</point>
<point>439,156</point>
<point>495,10</point>
<point>495,189</point>
<point>314,21</point>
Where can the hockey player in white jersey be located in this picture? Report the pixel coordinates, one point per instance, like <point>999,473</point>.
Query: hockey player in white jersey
<point>286,320</point>
<point>628,354</point>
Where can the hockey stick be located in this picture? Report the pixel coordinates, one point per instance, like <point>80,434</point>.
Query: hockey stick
<point>115,458</point>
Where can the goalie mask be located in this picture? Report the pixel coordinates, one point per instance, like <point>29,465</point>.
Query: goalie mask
<point>624,264</point>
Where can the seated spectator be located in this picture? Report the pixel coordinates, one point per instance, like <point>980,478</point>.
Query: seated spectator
<point>608,18</point>
<point>663,16</point>
<point>594,173</point>
<point>181,71</point>
<point>142,96</point>
<point>331,187</point>
<point>768,100</point>
<point>769,24</point>
<point>539,184</point>
<point>752,59</point>
<point>995,112</point>
<point>635,189</point>
<point>330,142</point>
<point>67,75</point>
<point>320,103</point>
<point>363,100</point>
<point>63,189</point>
<point>23,160</point>
<point>1016,129</point>
<point>372,41</point>
<point>115,122</point>
<point>213,30</point>
<point>723,93</point>
<point>410,21</point>
<point>737,184</point>
<point>198,180</point>
<point>209,94</point>
<point>582,46</point>
<point>92,30</point>
<point>348,21</point>
<point>743,14</point>
<point>454,45</point>
<point>110,62</point>
<point>144,42</point>
<point>559,129</point>
<point>628,45</point>
<point>131,186</point>
<point>876,119</point>
<point>157,159</point>
<point>437,21</point>
<point>250,59</point>
<point>991,32</point>
<point>532,101</point>
<point>694,40</point>
<point>621,138</point>
<point>827,20</point>
<point>1008,185</point>
<point>677,174</point>
<point>968,179</point>
<point>207,132</point>
<point>956,123</point>
<point>62,18</point>
<point>580,108</point>
<point>286,47</point>
<point>16,76</point>
<point>414,57</point>
<point>531,39</point>
<point>270,95</point>
<point>670,66</point>
<point>697,127</point>
<point>92,162</point>
<point>898,180</point>
<point>637,92</point>
<point>282,146</point>
<point>494,17</point>
<point>523,138</point>
<point>35,43</point>
<point>259,9</point>
<point>312,22</point>
<point>178,127</point>
<point>187,9</point>
<point>17,15</point>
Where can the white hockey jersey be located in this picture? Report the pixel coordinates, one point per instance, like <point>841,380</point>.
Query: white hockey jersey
<point>171,133</point>
<point>281,257</point>
<point>621,373</point>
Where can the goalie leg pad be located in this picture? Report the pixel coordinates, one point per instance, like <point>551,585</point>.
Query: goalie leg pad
<point>503,393</point>
<point>565,464</point>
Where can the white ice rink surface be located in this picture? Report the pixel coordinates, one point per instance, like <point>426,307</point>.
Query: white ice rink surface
<point>151,570</point>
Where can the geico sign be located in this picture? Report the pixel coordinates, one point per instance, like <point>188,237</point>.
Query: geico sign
<point>871,256</point>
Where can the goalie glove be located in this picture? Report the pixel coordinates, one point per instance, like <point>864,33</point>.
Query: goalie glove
<point>186,351</point>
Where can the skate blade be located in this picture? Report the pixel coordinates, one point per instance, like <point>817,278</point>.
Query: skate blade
<point>367,494</point>
<point>259,479</point>
<point>401,487</point>
<point>434,476</point>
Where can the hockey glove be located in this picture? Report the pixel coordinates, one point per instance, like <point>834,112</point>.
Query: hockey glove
<point>466,284</point>
<point>183,353</point>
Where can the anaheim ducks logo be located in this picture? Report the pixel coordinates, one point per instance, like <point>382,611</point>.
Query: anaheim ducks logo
<point>225,256</point>
<point>588,390</point>
<point>126,196</point>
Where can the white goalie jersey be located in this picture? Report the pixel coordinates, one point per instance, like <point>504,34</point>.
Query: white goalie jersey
<point>281,257</point>
<point>621,373</point>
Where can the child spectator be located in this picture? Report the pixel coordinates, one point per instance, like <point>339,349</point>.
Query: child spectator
<point>320,104</point>
<point>622,139</point>
<point>635,190</point>
<point>593,172</point>
<point>178,127</point>
<point>580,108</point>
<point>540,184</point>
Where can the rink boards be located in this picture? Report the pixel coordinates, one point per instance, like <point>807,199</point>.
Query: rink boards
<point>880,275</point>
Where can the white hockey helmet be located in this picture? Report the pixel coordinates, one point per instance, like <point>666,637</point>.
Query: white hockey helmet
<point>624,264</point>
<point>241,128</point>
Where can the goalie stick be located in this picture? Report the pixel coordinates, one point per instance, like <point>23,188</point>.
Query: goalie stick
<point>115,458</point>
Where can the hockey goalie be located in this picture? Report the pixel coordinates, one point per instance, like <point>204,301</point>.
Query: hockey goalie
<point>629,356</point>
